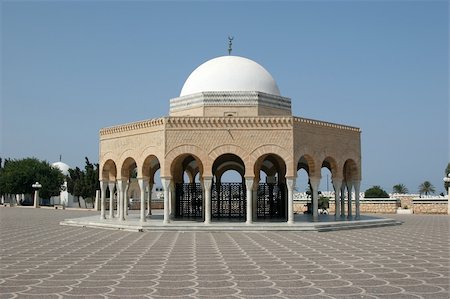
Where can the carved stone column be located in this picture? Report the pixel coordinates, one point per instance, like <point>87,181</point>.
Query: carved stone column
<point>315,181</point>
<point>249,182</point>
<point>103,186</point>
<point>166,183</point>
<point>290,182</point>
<point>337,182</point>
<point>111,186</point>
<point>207,183</point>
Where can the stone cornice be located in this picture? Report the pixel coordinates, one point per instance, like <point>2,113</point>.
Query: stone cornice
<point>325,124</point>
<point>217,122</point>
<point>133,126</point>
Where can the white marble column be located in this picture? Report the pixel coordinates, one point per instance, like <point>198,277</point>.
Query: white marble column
<point>249,181</point>
<point>173,199</point>
<point>166,183</point>
<point>356,185</point>
<point>337,182</point>
<point>142,186</point>
<point>149,199</point>
<point>120,191</point>
<point>343,198</point>
<point>207,183</point>
<point>103,186</point>
<point>290,182</point>
<point>349,199</point>
<point>125,198</point>
<point>315,181</point>
<point>111,186</point>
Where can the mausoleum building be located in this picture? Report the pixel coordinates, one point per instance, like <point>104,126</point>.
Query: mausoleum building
<point>230,115</point>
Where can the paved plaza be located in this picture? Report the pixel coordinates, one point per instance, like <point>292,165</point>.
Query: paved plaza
<point>42,259</point>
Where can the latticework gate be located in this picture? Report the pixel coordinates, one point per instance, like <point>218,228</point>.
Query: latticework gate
<point>228,201</point>
<point>271,201</point>
<point>189,200</point>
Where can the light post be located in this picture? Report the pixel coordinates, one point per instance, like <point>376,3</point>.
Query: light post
<point>36,187</point>
<point>447,180</point>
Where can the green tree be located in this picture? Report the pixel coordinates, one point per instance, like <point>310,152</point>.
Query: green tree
<point>400,188</point>
<point>84,183</point>
<point>447,171</point>
<point>75,183</point>
<point>376,192</point>
<point>18,176</point>
<point>426,187</point>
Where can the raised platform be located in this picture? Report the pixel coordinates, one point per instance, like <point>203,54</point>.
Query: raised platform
<point>302,223</point>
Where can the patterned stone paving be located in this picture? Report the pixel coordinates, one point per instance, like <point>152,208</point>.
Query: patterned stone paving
<point>41,259</point>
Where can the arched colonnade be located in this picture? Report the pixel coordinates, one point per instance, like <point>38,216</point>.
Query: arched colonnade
<point>193,187</point>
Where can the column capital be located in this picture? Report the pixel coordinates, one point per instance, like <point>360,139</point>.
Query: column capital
<point>290,182</point>
<point>249,182</point>
<point>165,181</point>
<point>315,181</point>
<point>207,182</point>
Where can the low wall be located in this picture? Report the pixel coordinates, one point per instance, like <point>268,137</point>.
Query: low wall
<point>430,206</point>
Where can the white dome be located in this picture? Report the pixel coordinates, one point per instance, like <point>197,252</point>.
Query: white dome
<point>230,73</point>
<point>62,166</point>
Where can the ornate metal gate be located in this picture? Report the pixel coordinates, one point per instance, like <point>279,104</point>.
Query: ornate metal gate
<point>228,201</point>
<point>189,200</point>
<point>271,201</point>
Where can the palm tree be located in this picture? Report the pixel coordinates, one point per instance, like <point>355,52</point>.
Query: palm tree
<point>400,189</point>
<point>426,187</point>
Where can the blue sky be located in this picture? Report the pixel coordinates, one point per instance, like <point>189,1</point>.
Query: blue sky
<point>69,68</point>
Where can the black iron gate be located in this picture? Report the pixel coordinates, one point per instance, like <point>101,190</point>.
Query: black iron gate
<point>271,201</point>
<point>228,201</point>
<point>189,200</point>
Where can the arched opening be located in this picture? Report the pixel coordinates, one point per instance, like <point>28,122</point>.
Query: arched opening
<point>187,202</point>
<point>109,174</point>
<point>228,188</point>
<point>129,175</point>
<point>271,195</point>
<point>150,174</point>
<point>326,194</point>
<point>305,168</point>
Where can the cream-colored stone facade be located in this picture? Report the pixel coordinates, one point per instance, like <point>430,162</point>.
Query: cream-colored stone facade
<point>208,133</point>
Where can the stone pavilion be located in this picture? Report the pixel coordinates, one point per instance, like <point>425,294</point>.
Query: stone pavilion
<point>230,115</point>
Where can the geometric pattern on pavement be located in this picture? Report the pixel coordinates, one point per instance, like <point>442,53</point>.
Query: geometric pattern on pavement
<point>41,259</point>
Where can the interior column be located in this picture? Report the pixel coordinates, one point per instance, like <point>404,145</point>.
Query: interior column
<point>290,182</point>
<point>249,181</point>
<point>166,183</point>
<point>315,197</point>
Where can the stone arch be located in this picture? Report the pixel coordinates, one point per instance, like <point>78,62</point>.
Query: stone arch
<point>230,149</point>
<point>228,161</point>
<point>271,164</point>
<point>109,171</point>
<point>275,150</point>
<point>332,165</point>
<point>308,163</point>
<point>185,162</point>
<point>127,167</point>
<point>184,150</point>
<point>149,167</point>
<point>351,171</point>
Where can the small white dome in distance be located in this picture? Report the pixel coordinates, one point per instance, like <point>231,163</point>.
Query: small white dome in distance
<point>62,166</point>
<point>230,73</point>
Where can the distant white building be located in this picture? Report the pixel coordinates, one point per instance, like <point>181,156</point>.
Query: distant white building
<point>65,198</point>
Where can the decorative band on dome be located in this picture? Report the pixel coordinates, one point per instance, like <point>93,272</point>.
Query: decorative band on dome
<point>229,98</point>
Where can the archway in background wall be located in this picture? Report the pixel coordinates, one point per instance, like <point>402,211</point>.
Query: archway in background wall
<point>271,192</point>
<point>187,198</point>
<point>228,197</point>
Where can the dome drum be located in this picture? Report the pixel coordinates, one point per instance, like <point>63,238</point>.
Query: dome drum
<point>230,103</point>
